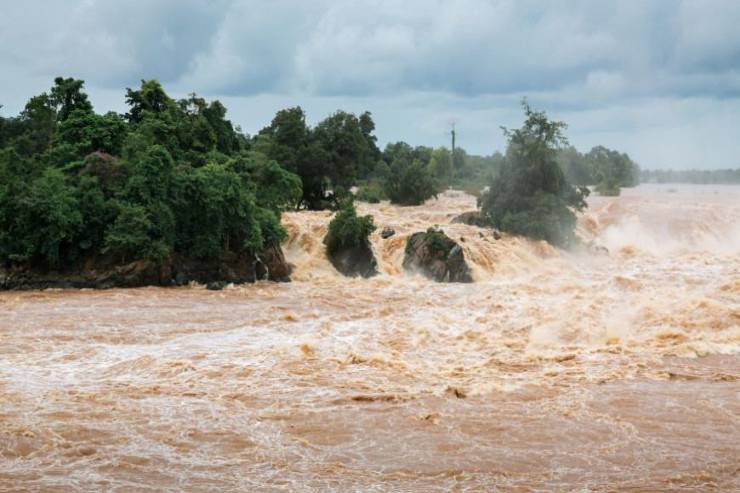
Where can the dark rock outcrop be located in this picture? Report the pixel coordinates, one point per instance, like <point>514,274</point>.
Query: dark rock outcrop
<point>437,256</point>
<point>596,249</point>
<point>355,261</point>
<point>387,233</point>
<point>471,218</point>
<point>106,272</point>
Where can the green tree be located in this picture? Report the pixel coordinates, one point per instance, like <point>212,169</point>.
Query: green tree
<point>611,170</point>
<point>129,234</point>
<point>409,182</point>
<point>530,195</point>
<point>67,97</point>
<point>150,98</point>
<point>440,165</point>
<point>50,219</point>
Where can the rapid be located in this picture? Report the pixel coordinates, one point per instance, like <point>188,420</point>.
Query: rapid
<point>553,371</point>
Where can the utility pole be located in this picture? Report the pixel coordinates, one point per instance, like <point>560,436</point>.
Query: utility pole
<point>453,138</point>
<point>452,154</point>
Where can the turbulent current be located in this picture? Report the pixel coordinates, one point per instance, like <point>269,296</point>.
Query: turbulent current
<point>554,371</point>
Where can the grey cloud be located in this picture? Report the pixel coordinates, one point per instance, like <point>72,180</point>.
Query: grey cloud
<point>416,64</point>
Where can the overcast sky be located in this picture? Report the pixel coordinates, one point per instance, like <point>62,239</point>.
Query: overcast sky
<point>657,79</point>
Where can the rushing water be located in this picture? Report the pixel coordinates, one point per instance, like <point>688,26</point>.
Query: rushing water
<point>552,372</point>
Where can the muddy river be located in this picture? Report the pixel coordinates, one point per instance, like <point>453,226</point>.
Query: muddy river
<point>554,371</point>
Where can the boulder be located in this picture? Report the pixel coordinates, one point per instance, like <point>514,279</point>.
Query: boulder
<point>471,218</point>
<point>355,261</point>
<point>437,256</point>
<point>387,233</point>
<point>596,249</point>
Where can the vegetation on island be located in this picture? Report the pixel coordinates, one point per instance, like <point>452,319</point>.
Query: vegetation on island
<point>347,229</point>
<point>530,195</point>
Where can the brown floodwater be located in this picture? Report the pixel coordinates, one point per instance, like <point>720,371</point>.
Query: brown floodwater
<point>552,372</point>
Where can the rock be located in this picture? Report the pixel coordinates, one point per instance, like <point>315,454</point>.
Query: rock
<point>355,261</point>
<point>180,279</point>
<point>387,233</point>
<point>596,249</point>
<point>273,266</point>
<point>471,218</point>
<point>104,272</point>
<point>216,285</point>
<point>496,234</point>
<point>437,256</point>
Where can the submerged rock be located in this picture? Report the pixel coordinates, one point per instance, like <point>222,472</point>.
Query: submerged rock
<point>471,218</point>
<point>437,256</point>
<point>355,261</point>
<point>596,249</point>
<point>387,233</point>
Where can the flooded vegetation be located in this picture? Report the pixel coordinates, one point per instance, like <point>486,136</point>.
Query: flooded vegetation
<point>553,371</point>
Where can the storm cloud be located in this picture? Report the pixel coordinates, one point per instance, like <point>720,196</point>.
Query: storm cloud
<point>657,79</point>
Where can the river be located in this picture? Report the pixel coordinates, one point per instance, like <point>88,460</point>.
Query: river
<point>554,371</point>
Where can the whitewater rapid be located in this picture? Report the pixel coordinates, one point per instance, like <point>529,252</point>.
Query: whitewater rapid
<point>554,371</point>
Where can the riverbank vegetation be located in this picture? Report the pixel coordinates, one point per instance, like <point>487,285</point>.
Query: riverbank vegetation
<point>169,177</point>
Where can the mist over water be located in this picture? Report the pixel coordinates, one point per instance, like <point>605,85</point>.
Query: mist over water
<point>554,371</point>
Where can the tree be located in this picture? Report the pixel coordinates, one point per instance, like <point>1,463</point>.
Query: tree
<point>67,96</point>
<point>530,195</point>
<point>50,219</point>
<point>409,182</point>
<point>440,165</point>
<point>129,233</point>
<point>349,146</point>
<point>612,170</point>
<point>151,97</point>
<point>328,158</point>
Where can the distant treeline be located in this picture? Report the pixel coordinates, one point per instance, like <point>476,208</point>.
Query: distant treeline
<point>694,176</point>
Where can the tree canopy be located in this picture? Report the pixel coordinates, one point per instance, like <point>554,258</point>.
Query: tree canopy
<point>168,177</point>
<point>530,195</point>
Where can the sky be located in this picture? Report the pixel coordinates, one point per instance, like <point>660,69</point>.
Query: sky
<point>658,79</point>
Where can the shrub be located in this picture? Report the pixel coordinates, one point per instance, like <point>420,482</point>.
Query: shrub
<point>347,229</point>
<point>409,183</point>
<point>371,193</point>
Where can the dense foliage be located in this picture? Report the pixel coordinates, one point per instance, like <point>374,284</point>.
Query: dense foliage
<point>347,229</point>
<point>329,158</point>
<point>530,195</point>
<point>407,179</point>
<point>370,192</point>
<point>175,177</point>
<point>169,177</point>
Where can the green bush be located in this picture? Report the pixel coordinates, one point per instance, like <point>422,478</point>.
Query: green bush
<point>347,229</point>
<point>371,193</point>
<point>409,182</point>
